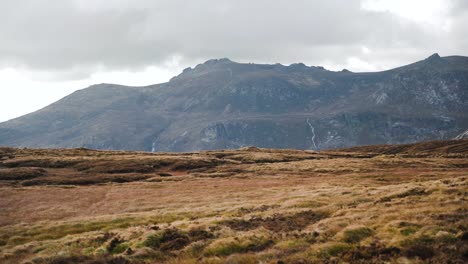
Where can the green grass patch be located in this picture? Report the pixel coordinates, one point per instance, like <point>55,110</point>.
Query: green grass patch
<point>120,248</point>
<point>293,245</point>
<point>409,230</point>
<point>420,240</point>
<point>357,234</point>
<point>152,241</point>
<point>308,204</point>
<point>335,250</point>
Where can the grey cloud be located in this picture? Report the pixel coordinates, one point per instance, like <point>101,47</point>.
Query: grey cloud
<point>79,35</point>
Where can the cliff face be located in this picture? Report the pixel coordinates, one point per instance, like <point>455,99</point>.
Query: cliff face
<point>224,104</point>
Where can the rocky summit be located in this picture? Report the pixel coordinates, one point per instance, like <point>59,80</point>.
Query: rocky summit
<point>222,104</point>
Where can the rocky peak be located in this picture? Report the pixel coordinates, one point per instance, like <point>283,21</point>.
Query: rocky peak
<point>298,65</point>
<point>217,61</point>
<point>301,67</point>
<point>213,63</point>
<point>206,66</point>
<point>432,63</point>
<point>433,58</point>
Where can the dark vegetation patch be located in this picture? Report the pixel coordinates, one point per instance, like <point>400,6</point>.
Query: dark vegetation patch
<point>376,252</point>
<point>119,166</point>
<point>63,167</point>
<point>425,248</point>
<point>421,251</point>
<point>464,236</point>
<point>40,163</point>
<point>452,217</point>
<point>116,246</point>
<point>103,259</point>
<point>214,175</point>
<point>196,165</point>
<point>101,239</point>
<point>254,155</point>
<point>7,153</point>
<point>175,239</point>
<point>277,222</point>
<point>412,192</point>
<point>199,234</point>
<point>85,179</point>
<point>18,174</point>
<point>446,248</point>
<point>247,210</point>
<point>421,247</point>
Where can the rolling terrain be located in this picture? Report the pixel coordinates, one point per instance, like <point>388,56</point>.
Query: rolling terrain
<point>222,104</point>
<point>370,204</point>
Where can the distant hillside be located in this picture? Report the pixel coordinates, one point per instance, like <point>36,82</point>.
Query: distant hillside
<point>430,147</point>
<point>223,104</point>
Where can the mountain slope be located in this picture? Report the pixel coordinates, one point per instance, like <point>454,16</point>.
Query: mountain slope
<point>224,104</point>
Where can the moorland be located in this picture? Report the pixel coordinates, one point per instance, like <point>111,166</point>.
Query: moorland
<point>373,204</point>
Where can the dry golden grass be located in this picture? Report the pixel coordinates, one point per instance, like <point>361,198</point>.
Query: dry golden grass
<point>377,204</point>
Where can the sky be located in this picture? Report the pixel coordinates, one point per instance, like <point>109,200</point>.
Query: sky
<point>48,49</point>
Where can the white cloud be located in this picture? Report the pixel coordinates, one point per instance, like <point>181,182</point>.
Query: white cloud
<point>432,13</point>
<point>357,63</point>
<point>50,48</point>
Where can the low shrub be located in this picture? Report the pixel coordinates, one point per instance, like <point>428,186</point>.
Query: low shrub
<point>120,248</point>
<point>168,240</point>
<point>114,245</point>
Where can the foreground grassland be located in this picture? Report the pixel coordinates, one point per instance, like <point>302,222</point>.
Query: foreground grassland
<point>381,204</point>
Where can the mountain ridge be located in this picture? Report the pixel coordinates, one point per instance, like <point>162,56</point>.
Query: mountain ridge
<point>225,104</point>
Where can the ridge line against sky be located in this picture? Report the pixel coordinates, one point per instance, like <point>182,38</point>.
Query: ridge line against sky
<point>50,49</point>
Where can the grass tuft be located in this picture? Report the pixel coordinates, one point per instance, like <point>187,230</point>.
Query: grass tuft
<point>357,234</point>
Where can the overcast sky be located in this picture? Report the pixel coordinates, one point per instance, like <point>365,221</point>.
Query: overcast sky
<point>50,48</point>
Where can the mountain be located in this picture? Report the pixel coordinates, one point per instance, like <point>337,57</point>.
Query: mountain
<point>224,104</point>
